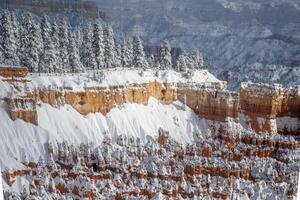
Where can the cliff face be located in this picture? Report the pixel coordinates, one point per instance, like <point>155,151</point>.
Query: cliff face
<point>290,105</point>
<point>262,112</point>
<point>104,99</point>
<point>271,108</point>
<point>263,107</point>
<point>212,104</point>
<point>23,108</point>
<point>12,72</point>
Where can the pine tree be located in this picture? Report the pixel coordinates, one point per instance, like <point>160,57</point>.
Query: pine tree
<point>63,45</point>
<point>8,40</point>
<point>127,54</point>
<point>118,56</point>
<point>31,44</point>
<point>98,46</point>
<point>15,26</point>
<point>48,59</point>
<point>74,59</point>
<point>181,63</point>
<point>109,43</point>
<point>16,30</point>
<point>190,62</point>
<point>151,61</point>
<point>165,56</point>
<point>139,59</point>
<point>197,60</point>
<point>123,56</point>
<point>57,68</point>
<point>87,56</point>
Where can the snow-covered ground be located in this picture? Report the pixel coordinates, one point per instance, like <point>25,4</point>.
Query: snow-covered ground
<point>117,76</point>
<point>22,141</point>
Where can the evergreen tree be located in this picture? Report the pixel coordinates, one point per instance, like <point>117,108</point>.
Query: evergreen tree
<point>182,63</point>
<point>165,56</point>
<point>74,59</point>
<point>190,62</point>
<point>16,30</point>
<point>55,40</point>
<point>139,59</point>
<point>151,61</point>
<point>98,46</point>
<point>127,54</point>
<point>15,26</point>
<point>8,40</point>
<point>63,45</point>
<point>109,43</point>
<point>78,35</point>
<point>197,60</point>
<point>118,56</point>
<point>87,56</point>
<point>48,59</point>
<point>31,44</point>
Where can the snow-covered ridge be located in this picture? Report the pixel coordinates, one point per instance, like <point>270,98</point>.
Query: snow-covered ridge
<point>118,77</point>
<point>262,88</point>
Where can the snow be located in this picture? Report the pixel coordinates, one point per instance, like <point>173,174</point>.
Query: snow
<point>140,121</point>
<point>158,196</point>
<point>262,88</point>
<point>298,188</point>
<point>118,76</point>
<point>289,123</point>
<point>233,35</point>
<point>66,124</point>
<point>1,187</point>
<point>5,89</point>
<point>19,140</point>
<point>22,141</point>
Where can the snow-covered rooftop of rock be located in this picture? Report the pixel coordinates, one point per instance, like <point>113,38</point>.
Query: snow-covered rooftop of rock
<point>117,77</point>
<point>262,88</point>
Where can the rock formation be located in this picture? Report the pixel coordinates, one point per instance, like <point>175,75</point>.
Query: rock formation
<point>260,107</point>
<point>128,169</point>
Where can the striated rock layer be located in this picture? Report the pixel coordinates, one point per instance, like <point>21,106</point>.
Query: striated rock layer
<point>264,105</point>
<point>102,99</point>
<point>260,107</point>
<point>23,108</point>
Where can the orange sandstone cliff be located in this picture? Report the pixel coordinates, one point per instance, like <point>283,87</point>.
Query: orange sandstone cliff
<point>263,107</point>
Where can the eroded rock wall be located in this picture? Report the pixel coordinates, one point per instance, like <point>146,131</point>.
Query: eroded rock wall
<point>23,108</point>
<point>16,72</point>
<point>212,104</point>
<point>102,99</point>
<point>270,108</point>
<point>263,107</point>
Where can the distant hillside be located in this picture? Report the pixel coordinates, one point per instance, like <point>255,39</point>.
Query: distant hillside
<point>231,34</point>
<point>85,9</point>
